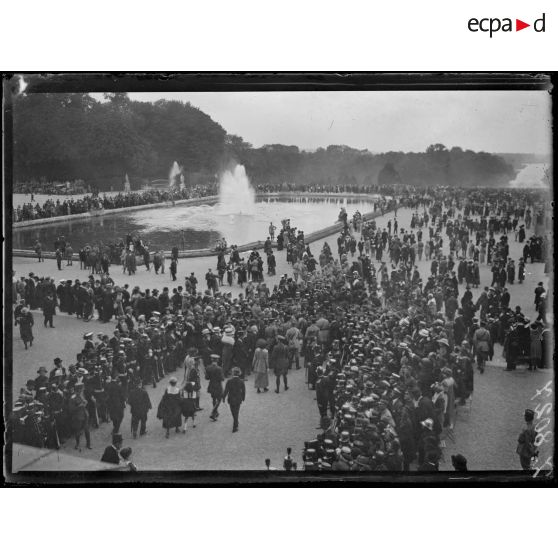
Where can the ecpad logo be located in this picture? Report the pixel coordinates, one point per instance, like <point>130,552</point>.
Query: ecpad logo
<point>494,24</point>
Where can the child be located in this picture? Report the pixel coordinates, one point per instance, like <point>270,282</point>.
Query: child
<point>188,405</point>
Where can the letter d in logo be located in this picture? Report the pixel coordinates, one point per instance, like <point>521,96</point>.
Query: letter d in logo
<point>539,24</point>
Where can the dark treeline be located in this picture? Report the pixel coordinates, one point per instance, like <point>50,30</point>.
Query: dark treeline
<point>69,136</point>
<point>73,136</point>
<point>339,164</point>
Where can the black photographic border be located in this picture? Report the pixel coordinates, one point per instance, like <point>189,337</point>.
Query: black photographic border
<point>52,82</point>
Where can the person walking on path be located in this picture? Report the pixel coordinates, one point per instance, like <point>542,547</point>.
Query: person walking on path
<point>49,310</point>
<point>173,268</point>
<point>214,373</point>
<point>79,417</point>
<point>260,366</point>
<point>481,342</point>
<point>169,410</point>
<point>39,251</point>
<point>235,393</point>
<point>280,362</point>
<point>69,254</point>
<point>26,322</point>
<point>140,404</point>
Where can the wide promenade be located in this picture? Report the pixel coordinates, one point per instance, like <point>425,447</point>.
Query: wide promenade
<point>486,432</point>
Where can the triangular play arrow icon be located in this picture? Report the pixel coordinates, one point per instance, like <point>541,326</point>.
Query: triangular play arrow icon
<point>519,25</point>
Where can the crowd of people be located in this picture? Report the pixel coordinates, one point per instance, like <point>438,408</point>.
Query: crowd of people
<point>392,355</point>
<point>50,188</point>
<point>96,202</point>
<point>91,203</point>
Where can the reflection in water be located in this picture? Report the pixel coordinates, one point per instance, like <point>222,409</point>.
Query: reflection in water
<point>193,227</point>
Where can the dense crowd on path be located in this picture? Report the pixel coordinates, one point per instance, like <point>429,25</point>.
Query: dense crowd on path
<point>392,355</point>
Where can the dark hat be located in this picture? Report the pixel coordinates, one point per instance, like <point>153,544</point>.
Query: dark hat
<point>529,415</point>
<point>458,461</point>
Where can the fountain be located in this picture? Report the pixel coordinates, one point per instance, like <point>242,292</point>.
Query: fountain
<point>126,184</point>
<point>532,175</point>
<point>236,195</point>
<point>174,175</point>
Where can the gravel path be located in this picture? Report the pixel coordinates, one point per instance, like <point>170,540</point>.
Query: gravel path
<point>486,433</point>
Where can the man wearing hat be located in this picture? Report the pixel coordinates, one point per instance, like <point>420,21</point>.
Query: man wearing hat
<point>526,448</point>
<point>25,322</point>
<point>192,373</point>
<point>42,379</point>
<point>116,403</point>
<point>216,377</point>
<point>482,343</point>
<point>140,404</point>
<point>235,391</point>
<point>459,463</point>
<point>112,452</point>
<point>279,361</point>
<point>79,417</point>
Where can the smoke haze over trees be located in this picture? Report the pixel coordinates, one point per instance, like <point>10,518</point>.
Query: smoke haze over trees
<point>73,136</point>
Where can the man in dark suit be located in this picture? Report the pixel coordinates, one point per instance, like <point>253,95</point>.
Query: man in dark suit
<point>236,393</point>
<point>140,404</point>
<point>214,373</point>
<point>279,361</point>
<point>112,453</point>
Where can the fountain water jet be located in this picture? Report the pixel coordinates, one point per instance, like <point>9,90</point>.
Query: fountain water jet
<point>236,195</point>
<point>533,175</point>
<point>174,175</point>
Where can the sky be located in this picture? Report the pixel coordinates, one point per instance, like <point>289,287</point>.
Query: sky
<point>493,121</point>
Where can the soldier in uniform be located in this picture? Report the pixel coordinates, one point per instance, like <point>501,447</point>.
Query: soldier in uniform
<point>216,377</point>
<point>140,404</point>
<point>56,408</point>
<point>279,361</point>
<point>79,417</point>
<point>115,403</point>
<point>89,394</point>
<point>98,390</point>
<point>192,374</point>
<point>149,369</point>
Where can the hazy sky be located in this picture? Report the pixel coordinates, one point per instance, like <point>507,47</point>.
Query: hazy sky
<point>494,121</point>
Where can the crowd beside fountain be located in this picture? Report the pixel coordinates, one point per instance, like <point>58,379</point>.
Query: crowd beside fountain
<point>92,203</point>
<point>95,203</point>
<point>391,354</point>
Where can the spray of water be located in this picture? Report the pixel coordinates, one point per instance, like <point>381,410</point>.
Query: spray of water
<point>534,175</point>
<point>174,174</point>
<point>236,195</point>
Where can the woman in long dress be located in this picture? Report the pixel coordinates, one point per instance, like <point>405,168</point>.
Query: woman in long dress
<point>170,410</point>
<point>260,366</point>
<point>25,322</point>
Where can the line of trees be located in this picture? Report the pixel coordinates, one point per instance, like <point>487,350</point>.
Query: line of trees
<point>74,136</point>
